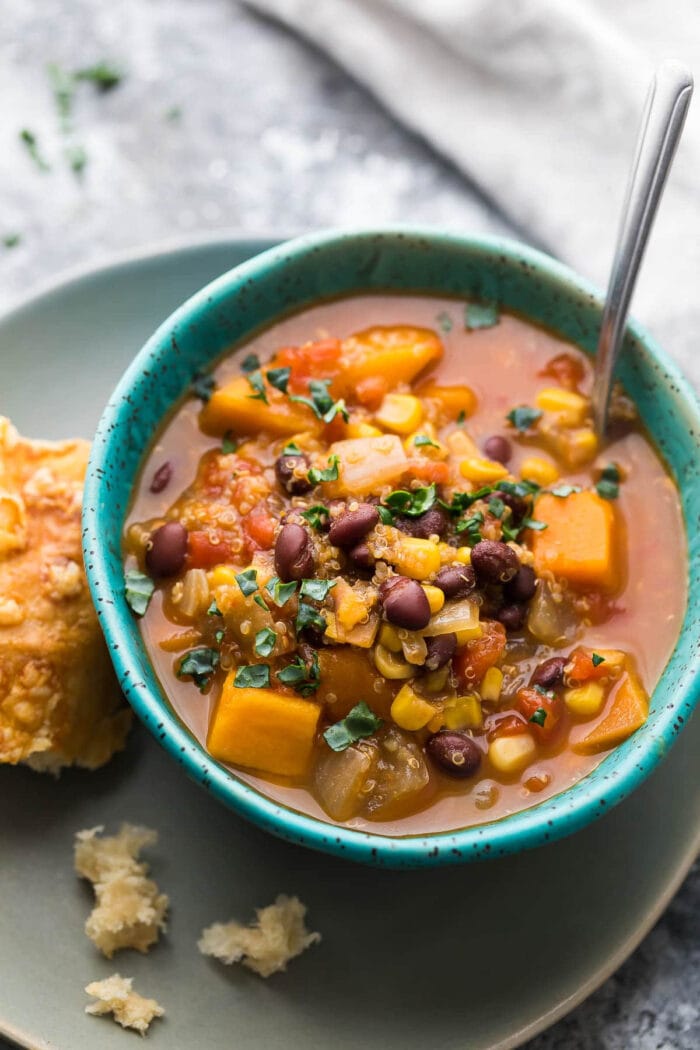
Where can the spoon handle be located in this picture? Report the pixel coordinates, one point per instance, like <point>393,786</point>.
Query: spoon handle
<point>664,115</point>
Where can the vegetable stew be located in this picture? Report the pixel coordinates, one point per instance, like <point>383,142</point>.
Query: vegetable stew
<point>386,573</point>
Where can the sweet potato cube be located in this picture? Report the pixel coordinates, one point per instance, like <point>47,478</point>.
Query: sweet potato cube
<point>366,464</point>
<point>628,711</point>
<point>452,400</point>
<point>232,408</point>
<point>579,541</point>
<point>262,729</point>
<point>397,352</point>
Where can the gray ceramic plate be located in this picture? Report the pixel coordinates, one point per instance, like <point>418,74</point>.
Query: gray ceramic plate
<point>463,958</point>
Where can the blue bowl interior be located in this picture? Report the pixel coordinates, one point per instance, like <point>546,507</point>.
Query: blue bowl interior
<point>298,274</point>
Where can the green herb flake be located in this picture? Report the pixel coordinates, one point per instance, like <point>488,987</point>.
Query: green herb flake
<point>77,159</point>
<point>258,384</point>
<point>444,322</point>
<point>228,444</point>
<point>29,139</point>
<point>102,75</point>
<point>316,477</point>
<point>608,486</point>
<point>138,589</point>
<point>462,501</point>
<point>321,403</point>
<point>247,581</point>
<point>214,609</point>
<point>252,676</point>
<point>385,515</point>
<point>259,600</point>
<point>203,385</point>
<point>307,616</point>
<point>412,504</point>
<point>199,665</point>
<point>549,693</point>
<point>462,415</point>
<point>219,636</point>
<point>523,489</point>
<point>421,440</point>
<point>359,724</point>
<point>173,114</point>
<point>317,589</point>
<point>597,659</point>
<point>497,507</point>
<point>63,87</point>
<point>292,449</point>
<point>523,417</point>
<point>562,491</point>
<point>279,378</point>
<point>471,528</point>
<point>480,315</point>
<point>265,641</point>
<point>11,240</point>
<point>250,363</point>
<point>317,516</point>
<point>534,524</point>
<point>539,717</point>
<point>280,592</point>
<point>304,679</point>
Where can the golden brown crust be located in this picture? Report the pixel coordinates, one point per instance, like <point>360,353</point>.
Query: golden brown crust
<point>59,700</point>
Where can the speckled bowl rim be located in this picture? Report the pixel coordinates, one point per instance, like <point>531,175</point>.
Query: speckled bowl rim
<point>552,819</point>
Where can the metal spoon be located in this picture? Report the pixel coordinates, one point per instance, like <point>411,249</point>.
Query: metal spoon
<point>664,116</point>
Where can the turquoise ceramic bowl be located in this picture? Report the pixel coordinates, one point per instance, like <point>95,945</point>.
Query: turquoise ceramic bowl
<point>295,275</point>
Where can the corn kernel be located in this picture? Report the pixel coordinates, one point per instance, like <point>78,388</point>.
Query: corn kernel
<point>389,638</point>
<point>359,429</point>
<point>569,406</point>
<point>463,712</point>
<point>578,446</point>
<point>435,681</point>
<point>510,754</point>
<point>436,598</point>
<point>411,711</point>
<point>222,576</point>
<point>432,448</point>
<point>460,444</point>
<point>416,558</point>
<point>482,471</point>
<point>491,684</point>
<point>464,554</point>
<point>391,665</point>
<point>467,634</point>
<point>400,413</point>
<point>585,700</point>
<point>539,470</point>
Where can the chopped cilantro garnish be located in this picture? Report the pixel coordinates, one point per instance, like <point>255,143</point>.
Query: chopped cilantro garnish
<point>523,417</point>
<point>219,636</point>
<point>421,440</point>
<point>544,692</point>
<point>608,487</point>
<point>461,416</point>
<point>321,403</point>
<point>385,515</point>
<point>250,363</point>
<point>102,75</point>
<point>252,676</point>
<point>138,589</point>
<point>259,600</point>
<point>412,504</point>
<point>523,489</point>
<point>203,385</point>
<point>228,444</point>
<point>247,581</point>
<point>258,384</point>
<point>317,589</point>
<point>265,641</point>
<point>471,527</point>
<point>539,717</point>
<point>305,679</point>
<point>292,449</point>
<point>11,240</point>
<point>279,378</point>
<point>214,609</point>
<point>444,321</point>
<point>497,507</point>
<point>317,516</point>
<point>480,315</point>
<point>358,724</point>
<point>534,524</point>
<point>462,501</point>
<point>30,141</point>
<point>173,113</point>
<point>329,474</point>
<point>562,491</point>
<point>597,659</point>
<point>77,159</point>
<point>63,86</point>
<point>280,592</point>
<point>307,616</point>
<point>199,665</point>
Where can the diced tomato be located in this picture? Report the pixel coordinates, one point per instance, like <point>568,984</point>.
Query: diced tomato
<point>312,361</point>
<point>505,725</point>
<point>428,470</point>
<point>473,660</point>
<point>259,527</point>
<point>529,701</point>
<point>581,667</point>
<point>370,391</point>
<point>206,549</point>
<point>566,369</point>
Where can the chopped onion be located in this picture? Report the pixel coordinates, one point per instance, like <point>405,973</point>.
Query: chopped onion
<point>453,617</point>
<point>195,593</point>
<point>414,648</point>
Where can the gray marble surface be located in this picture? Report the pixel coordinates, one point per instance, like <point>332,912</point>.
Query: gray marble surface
<point>267,136</point>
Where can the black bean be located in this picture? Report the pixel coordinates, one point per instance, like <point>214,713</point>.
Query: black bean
<point>522,587</point>
<point>498,448</point>
<point>167,549</point>
<point>494,562</point>
<point>441,649</point>
<point>511,616</point>
<point>519,506</point>
<point>360,556</point>
<point>454,753</point>
<point>162,477</point>
<point>294,556</point>
<point>456,580</point>
<point>349,527</point>
<point>550,673</point>
<point>405,603</point>
<point>435,522</point>
<point>286,468</point>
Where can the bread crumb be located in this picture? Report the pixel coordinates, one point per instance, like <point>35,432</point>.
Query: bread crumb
<point>267,946</point>
<point>114,995</point>
<point>130,910</point>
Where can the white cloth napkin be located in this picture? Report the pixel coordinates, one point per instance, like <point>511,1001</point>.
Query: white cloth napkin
<point>538,102</point>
